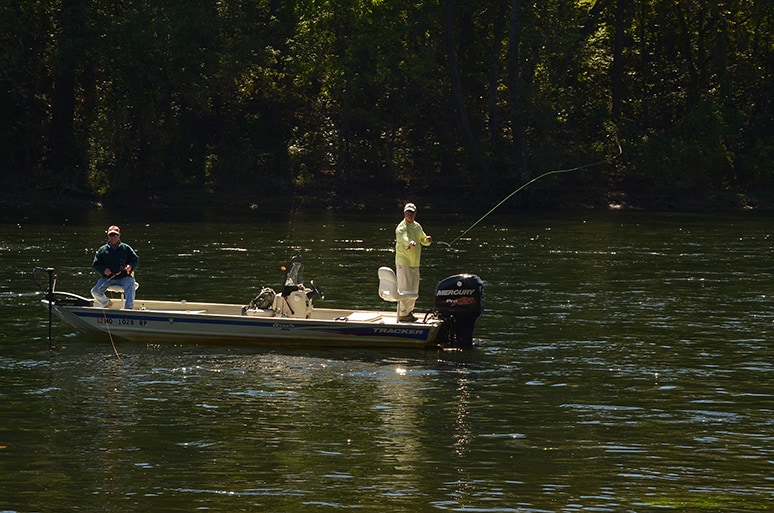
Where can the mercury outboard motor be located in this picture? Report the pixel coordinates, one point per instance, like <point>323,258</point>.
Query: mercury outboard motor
<point>459,302</point>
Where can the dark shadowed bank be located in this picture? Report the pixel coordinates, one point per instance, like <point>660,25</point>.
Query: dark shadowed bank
<point>233,104</point>
<point>377,199</point>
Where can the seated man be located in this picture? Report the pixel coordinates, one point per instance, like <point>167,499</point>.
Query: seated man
<point>115,262</point>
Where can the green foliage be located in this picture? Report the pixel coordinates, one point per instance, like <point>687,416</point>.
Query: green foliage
<point>332,97</point>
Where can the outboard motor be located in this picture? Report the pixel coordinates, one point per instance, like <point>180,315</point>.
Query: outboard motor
<point>459,302</point>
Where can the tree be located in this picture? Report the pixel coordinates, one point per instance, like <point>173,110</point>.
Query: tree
<point>331,97</point>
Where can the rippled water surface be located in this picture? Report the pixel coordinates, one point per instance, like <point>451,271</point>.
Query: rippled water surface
<point>624,363</point>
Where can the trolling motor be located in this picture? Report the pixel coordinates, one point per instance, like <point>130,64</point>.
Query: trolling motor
<point>296,297</point>
<point>294,300</point>
<point>294,280</point>
<point>56,298</point>
<point>459,302</point>
<point>49,295</point>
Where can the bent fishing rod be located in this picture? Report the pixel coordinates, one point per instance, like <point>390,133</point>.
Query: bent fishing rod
<point>525,185</point>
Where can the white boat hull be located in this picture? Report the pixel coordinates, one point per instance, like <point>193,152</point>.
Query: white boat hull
<point>181,321</point>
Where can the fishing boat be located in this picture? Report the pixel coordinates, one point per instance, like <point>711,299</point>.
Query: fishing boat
<point>285,318</point>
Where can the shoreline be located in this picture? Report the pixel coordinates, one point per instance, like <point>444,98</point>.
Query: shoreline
<point>49,200</point>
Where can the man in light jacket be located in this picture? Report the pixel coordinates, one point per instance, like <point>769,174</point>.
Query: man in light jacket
<point>409,240</point>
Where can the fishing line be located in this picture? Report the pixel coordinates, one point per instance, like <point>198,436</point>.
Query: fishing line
<point>292,217</point>
<point>110,335</point>
<point>521,187</point>
<point>104,317</point>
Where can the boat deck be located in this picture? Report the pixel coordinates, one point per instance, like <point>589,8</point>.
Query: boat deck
<point>322,314</point>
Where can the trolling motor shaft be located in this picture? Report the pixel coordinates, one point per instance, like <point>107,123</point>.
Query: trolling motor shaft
<point>49,297</point>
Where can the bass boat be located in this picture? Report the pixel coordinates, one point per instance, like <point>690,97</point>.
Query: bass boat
<point>285,318</point>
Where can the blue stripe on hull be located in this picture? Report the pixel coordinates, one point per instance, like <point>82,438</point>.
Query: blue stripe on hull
<point>137,324</point>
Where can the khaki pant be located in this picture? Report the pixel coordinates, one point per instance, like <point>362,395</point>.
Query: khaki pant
<point>408,281</point>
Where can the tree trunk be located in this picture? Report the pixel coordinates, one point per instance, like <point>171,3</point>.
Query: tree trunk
<point>588,29</point>
<point>458,96</point>
<point>617,71</point>
<point>515,96</point>
<point>494,76</point>
<point>63,154</point>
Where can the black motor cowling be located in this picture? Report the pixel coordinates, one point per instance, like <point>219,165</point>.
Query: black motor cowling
<point>459,302</point>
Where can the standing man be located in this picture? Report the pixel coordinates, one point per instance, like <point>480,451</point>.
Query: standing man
<point>115,262</point>
<point>409,239</point>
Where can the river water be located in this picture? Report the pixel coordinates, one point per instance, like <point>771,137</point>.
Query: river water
<point>624,363</point>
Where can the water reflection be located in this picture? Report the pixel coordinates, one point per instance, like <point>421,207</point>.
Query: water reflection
<point>623,364</point>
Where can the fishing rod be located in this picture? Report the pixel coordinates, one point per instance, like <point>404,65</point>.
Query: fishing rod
<point>521,187</point>
<point>123,273</point>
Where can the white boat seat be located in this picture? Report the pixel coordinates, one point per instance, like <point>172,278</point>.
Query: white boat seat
<point>120,290</point>
<point>388,286</point>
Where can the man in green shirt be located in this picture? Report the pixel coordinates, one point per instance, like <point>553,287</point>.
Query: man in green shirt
<point>114,262</point>
<point>409,239</point>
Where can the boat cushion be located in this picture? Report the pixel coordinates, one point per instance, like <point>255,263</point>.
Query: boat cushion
<point>364,316</point>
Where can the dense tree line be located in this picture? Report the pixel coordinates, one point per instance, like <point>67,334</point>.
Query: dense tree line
<point>436,97</point>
